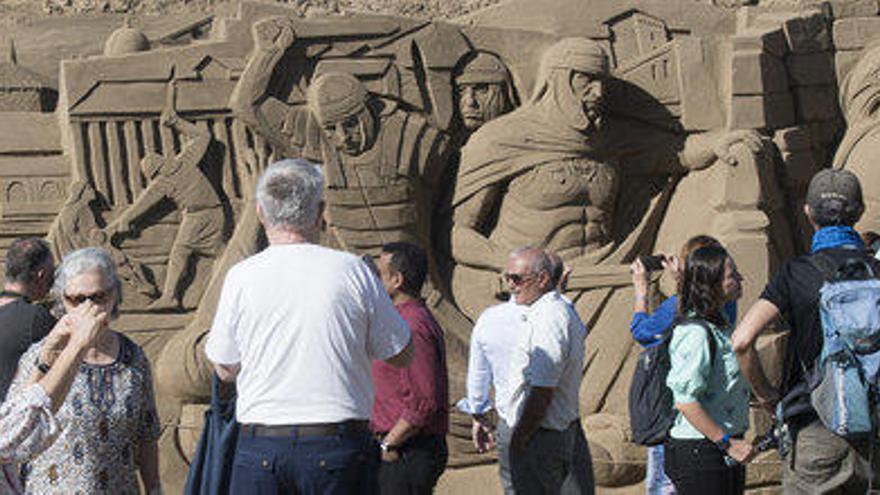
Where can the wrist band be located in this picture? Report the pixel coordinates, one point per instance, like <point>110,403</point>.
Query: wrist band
<point>43,367</point>
<point>640,297</point>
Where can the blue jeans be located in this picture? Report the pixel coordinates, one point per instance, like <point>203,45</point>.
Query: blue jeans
<point>656,481</point>
<point>334,464</point>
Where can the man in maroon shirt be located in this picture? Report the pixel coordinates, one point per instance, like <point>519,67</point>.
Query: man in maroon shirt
<point>411,410</point>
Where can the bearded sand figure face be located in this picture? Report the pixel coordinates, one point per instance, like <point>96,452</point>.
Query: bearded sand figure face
<point>483,89</point>
<point>571,83</point>
<point>339,102</point>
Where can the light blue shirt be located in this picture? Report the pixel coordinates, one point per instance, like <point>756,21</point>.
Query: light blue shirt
<point>492,342</point>
<point>718,385</point>
<point>549,354</point>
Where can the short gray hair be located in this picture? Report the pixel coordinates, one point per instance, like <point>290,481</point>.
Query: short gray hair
<point>82,261</point>
<point>537,258</point>
<point>290,193</point>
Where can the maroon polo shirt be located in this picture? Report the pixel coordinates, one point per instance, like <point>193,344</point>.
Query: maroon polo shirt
<point>418,393</point>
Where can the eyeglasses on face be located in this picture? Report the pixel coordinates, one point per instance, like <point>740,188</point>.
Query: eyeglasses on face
<point>518,279</point>
<point>99,297</point>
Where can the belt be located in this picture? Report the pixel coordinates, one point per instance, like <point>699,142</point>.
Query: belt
<point>309,430</point>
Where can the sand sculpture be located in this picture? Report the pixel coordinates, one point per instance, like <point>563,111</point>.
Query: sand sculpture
<point>626,130</point>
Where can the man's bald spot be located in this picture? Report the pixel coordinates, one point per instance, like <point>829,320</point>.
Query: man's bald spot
<point>535,258</point>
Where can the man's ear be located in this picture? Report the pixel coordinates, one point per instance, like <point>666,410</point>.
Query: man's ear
<point>320,223</point>
<point>397,281</point>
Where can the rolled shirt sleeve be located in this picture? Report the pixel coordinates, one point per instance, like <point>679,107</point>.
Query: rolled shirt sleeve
<point>27,425</point>
<point>420,402</point>
<point>388,333</point>
<point>222,346</point>
<point>690,363</point>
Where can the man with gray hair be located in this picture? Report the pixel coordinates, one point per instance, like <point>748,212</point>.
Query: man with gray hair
<point>544,375</point>
<point>296,328</point>
<point>493,339</point>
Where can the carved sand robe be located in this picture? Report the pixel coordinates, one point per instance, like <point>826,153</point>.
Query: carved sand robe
<point>859,98</point>
<point>420,132</point>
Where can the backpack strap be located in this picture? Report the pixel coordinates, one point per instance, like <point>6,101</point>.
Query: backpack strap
<point>825,265</point>
<point>831,270</point>
<point>713,346</point>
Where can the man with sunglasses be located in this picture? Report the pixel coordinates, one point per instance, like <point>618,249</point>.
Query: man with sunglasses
<point>493,343</point>
<point>30,271</point>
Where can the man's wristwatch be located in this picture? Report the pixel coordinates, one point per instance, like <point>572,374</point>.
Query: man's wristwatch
<point>43,367</point>
<point>387,448</point>
<point>724,443</point>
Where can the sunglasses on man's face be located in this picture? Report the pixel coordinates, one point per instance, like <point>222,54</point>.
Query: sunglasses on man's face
<point>96,297</point>
<point>517,279</point>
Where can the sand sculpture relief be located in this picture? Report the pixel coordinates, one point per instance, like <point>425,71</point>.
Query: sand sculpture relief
<point>615,136</point>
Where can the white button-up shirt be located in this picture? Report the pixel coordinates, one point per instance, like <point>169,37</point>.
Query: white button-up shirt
<point>492,341</point>
<point>550,353</point>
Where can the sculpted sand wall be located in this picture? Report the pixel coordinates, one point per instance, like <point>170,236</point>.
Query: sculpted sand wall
<point>712,121</point>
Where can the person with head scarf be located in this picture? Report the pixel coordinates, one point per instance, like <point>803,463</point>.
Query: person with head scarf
<point>483,89</point>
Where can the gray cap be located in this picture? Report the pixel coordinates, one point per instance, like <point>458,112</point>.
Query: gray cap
<point>836,192</point>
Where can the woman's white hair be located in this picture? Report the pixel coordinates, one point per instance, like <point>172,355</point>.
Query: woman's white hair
<point>82,261</point>
<point>290,193</point>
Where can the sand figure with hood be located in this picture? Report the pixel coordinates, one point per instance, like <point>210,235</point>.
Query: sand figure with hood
<point>565,173</point>
<point>483,89</point>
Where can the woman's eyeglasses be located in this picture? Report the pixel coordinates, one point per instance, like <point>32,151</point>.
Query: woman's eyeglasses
<point>77,299</point>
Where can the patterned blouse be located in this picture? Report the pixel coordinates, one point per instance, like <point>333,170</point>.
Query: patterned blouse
<point>27,427</point>
<point>108,414</point>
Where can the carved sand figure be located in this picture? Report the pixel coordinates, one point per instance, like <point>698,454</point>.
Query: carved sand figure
<point>483,89</point>
<point>859,95</point>
<point>76,226</point>
<point>550,174</point>
<point>179,179</point>
<point>379,172</point>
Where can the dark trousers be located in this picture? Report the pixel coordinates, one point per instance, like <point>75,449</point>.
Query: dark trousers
<point>422,461</point>
<point>697,467</point>
<point>333,464</point>
<point>545,463</point>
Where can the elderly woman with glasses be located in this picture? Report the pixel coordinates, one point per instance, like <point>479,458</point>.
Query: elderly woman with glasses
<point>109,416</point>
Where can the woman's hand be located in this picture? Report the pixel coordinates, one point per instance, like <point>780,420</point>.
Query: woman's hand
<point>740,450</point>
<point>672,266</point>
<point>56,341</point>
<point>639,278</point>
<point>85,322</point>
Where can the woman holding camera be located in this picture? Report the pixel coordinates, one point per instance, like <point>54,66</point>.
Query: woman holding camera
<point>705,452</point>
<point>649,329</point>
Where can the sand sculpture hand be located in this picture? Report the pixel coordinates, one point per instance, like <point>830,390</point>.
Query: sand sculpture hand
<point>725,143</point>
<point>702,150</point>
<point>277,31</point>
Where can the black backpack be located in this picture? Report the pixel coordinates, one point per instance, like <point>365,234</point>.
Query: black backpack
<point>651,411</point>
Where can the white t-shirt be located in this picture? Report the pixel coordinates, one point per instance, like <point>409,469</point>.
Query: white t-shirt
<point>550,353</point>
<point>304,322</point>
